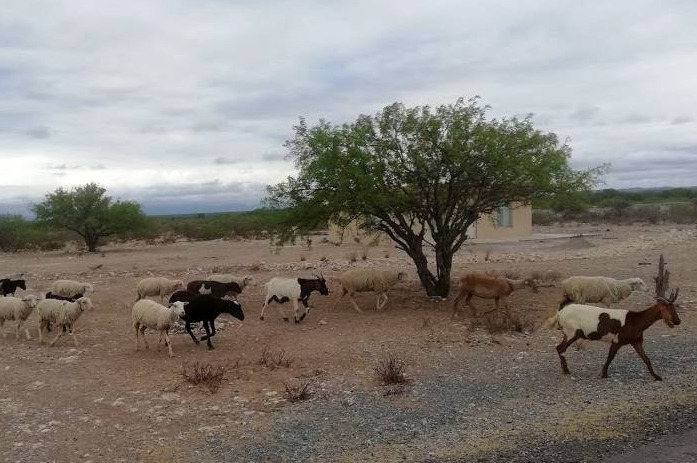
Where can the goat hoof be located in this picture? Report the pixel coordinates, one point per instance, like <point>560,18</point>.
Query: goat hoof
<point>297,321</point>
<point>261,318</point>
<point>197,341</point>
<point>285,319</point>
<point>658,378</point>
<point>211,347</point>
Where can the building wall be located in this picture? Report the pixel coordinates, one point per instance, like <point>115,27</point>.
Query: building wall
<point>521,225</point>
<point>485,228</point>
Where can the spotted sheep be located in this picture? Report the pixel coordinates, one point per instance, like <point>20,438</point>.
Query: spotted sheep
<point>616,326</point>
<point>488,287</point>
<point>282,290</point>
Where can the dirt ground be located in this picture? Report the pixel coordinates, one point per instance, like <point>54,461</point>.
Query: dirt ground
<point>103,401</point>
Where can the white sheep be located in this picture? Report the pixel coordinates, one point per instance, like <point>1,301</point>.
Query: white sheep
<point>16,308</point>
<point>69,288</point>
<point>157,286</point>
<point>61,314</point>
<point>150,314</point>
<point>242,281</point>
<point>368,279</point>
<point>605,290</point>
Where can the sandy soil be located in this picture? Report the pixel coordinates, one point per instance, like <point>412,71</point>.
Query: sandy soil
<point>103,401</point>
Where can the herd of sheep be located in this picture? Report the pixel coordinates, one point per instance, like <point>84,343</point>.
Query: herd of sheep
<point>204,300</point>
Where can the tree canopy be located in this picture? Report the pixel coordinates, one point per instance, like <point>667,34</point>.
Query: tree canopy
<point>422,175</point>
<point>87,211</point>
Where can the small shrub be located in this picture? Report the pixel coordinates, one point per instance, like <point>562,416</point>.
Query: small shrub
<point>550,276</point>
<point>364,254</point>
<point>511,274</point>
<point>487,255</point>
<point>496,323</point>
<point>426,322</point>
<point>542,217</point>
<point>352,256</point>
<point>303,258</point>
<point>255,267</point>
<point>275,360</point>
<point>323,259</point>
<point>391,370</point>
<point>207,375</point>
<point>298,392</point>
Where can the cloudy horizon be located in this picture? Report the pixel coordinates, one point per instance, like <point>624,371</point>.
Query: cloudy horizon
<point>185,106</point>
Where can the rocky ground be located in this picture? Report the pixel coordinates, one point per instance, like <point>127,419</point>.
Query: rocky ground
<point>471,395</point>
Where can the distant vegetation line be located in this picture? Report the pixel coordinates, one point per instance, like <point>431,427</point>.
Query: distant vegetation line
<point>678,205</point>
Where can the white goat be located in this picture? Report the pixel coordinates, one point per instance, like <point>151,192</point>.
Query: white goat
<point>282,290</point>
<point>242,281</point>
<point>605,290</point>
<point>157,286</point>
<point>368,279</point>
<point>19,309</point>
<point>69,288</point>
<point>150,314</point>
<point>62,314</point>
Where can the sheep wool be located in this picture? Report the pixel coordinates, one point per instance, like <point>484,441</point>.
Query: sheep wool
<point>157,286</point>
<point>62,314</point>
<point>19,309</point>
<point>70,288</point>
<point>368,279</point>
<point>606,290</point>
<point>150,314</point>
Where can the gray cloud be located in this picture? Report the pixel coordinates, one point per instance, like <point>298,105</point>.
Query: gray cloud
<point>143,93</point>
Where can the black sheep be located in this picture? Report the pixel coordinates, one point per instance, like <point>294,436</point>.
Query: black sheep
<point>8,286</point>
<point>206,308</point>
<point>182,295</point>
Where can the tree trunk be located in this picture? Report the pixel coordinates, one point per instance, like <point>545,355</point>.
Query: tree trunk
<point>91,242</point>
<point>434,285</point>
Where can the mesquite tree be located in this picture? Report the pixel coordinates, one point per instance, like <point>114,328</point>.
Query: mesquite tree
<point>89,213</point>
<point>422,176</point>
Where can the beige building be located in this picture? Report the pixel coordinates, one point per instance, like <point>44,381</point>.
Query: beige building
<point>508,222</point>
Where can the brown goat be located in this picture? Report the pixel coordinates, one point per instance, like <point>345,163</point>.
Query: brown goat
<point>488,287</point>
<point>619,327</point>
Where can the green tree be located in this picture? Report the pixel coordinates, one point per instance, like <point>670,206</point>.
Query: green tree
<point>87,211</point>
<point>422,176</point>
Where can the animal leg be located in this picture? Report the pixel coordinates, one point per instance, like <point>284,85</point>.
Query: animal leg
<point>468,301</point>
<point>295,310</point>
<point>188,330</point>
<point>355,306</point>
<point>72,333</point>
<point>306,306</point>
<point>168,343</point>
<point>561,348</point>
<point>41,329</point>
<point>208,335</point>
<point>614,347</point>
<point>263,308</point>
<point>60,333</point>
<point>458,298</point>
<point>2,322</point>
<point>26,330</point>
<point>343,293</point>
<point>380,306</point>
<point>135,326</point>
<point>639,348</point>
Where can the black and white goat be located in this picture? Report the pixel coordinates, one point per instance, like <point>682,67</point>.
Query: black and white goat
<point>206,308</point>
<point>282,290</point>
<point>8,286</point>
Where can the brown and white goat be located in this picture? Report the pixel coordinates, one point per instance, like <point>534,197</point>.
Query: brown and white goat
<point>488,287</point>
<point>619,327</point>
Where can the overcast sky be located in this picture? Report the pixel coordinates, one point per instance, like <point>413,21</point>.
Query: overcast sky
<point>185,105</point>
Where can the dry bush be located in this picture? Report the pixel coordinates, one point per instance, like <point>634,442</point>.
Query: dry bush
<point>511,274</point>
<point>425,322</point>
<point>364,254</point>
<point>298,392</point>
<point>323,259</point>
<point>255,267</point>
<point>390,370</point>
<point>204,374</point>
<point>550,276</point>
<point>487,254</point>
<point>303,258</point>
<point>502,322</point>
<point>275,360</point>
<point>352,256</point>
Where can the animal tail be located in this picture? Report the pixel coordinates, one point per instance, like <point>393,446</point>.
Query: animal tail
<point>553,321</point>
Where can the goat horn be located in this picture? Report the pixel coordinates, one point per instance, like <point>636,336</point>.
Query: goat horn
<point>674,295</point>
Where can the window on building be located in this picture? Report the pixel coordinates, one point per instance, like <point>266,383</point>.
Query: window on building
<point>504,217</point>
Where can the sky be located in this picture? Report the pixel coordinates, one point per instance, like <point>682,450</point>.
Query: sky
<point>184,106</point>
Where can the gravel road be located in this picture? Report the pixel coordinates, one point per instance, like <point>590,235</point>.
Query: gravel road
<point>517,409</point>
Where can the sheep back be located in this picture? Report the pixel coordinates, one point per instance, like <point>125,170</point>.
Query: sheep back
<point>368,279</point>
<point>157,286</point>
<point>153,315</point>
<point>583,289</point>
<point>16,308</point>
<point>70,288</point>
